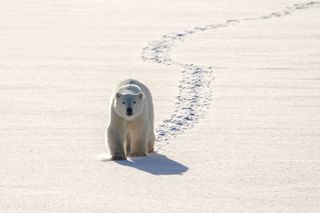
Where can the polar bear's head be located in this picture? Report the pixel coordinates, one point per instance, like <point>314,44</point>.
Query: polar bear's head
<point>129,105</point>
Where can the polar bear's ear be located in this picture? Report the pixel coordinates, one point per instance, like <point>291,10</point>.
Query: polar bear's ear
<point>140,95</point>
<point>118,95</point>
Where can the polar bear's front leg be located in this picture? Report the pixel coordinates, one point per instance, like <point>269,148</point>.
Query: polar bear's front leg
<point>116,144</point>
<point>139,145</point>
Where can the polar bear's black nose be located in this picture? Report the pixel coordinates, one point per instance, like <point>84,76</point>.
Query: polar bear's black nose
<point>129,111</point>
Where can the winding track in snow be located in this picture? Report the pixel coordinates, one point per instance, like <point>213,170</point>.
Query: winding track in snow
<point>195,95</point>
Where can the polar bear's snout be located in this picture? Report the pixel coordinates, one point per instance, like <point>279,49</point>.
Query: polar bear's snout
<point>129,111</point>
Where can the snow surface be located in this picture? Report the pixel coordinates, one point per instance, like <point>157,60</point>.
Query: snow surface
<point>236,92</point>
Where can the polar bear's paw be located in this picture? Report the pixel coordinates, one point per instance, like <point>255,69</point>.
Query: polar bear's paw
<point>118,157</point>
<point>138,154</point>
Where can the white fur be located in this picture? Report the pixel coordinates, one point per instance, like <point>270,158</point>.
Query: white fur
<point>131,134</point>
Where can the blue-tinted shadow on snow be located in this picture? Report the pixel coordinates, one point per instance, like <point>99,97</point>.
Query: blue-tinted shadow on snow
<point>155,164</point>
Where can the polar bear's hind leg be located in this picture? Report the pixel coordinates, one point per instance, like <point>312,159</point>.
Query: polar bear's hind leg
<point>128,145</point>
<point>151,142</point>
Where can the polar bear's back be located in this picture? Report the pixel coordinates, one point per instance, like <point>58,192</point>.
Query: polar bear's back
<point>134,82</point>
<point>128,82</point>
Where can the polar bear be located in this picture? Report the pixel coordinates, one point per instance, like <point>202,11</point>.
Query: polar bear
<point>131,121</point>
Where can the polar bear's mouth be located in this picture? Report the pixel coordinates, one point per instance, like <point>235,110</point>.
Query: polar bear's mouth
<point>129,111</point>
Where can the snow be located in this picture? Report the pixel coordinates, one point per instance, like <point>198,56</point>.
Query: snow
<point>236,94</point>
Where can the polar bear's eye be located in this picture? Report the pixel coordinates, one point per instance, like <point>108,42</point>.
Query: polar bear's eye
<point>134,102</point>
<point>123,102</point>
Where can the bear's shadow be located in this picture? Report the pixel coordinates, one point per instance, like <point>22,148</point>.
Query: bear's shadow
<point>155,164</point>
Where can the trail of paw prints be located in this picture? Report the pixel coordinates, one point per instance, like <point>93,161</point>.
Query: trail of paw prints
<point>193,100</point>
<point>159,50</point>
<point>195,95</point>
